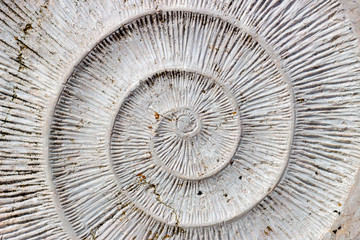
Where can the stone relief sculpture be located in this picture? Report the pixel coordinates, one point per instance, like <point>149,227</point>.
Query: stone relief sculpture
<point>178,120</point>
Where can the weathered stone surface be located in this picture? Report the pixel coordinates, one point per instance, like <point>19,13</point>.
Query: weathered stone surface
<point>180,119</point>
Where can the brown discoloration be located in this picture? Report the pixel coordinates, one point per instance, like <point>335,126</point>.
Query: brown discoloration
<point>268,230</point>
<point>93,234</point>
<point>335,38</point>
<point>27,28</point>
<point>157,116</point>
<point>332,15</point>
<point>141,177</point>
<point>149,185</point>
<point>19,59</point>
<point>300,100</point>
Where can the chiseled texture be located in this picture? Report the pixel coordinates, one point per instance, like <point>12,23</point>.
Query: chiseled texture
<point>347,226</point>
<point>178,119</point>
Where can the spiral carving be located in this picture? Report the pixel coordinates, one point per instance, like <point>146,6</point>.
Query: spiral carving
<point>234,120</point>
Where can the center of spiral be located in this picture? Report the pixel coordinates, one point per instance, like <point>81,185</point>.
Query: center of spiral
<point>190,119</point>
<point>185,124</point>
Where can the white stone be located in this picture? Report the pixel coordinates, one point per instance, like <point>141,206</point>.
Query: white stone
<point>180,119</point>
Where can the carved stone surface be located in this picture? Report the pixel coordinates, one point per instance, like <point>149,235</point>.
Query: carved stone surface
<point>347,226</point>
<point>179,120</point>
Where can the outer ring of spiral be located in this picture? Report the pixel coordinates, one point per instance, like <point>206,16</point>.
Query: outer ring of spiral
<point>226,19</point>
